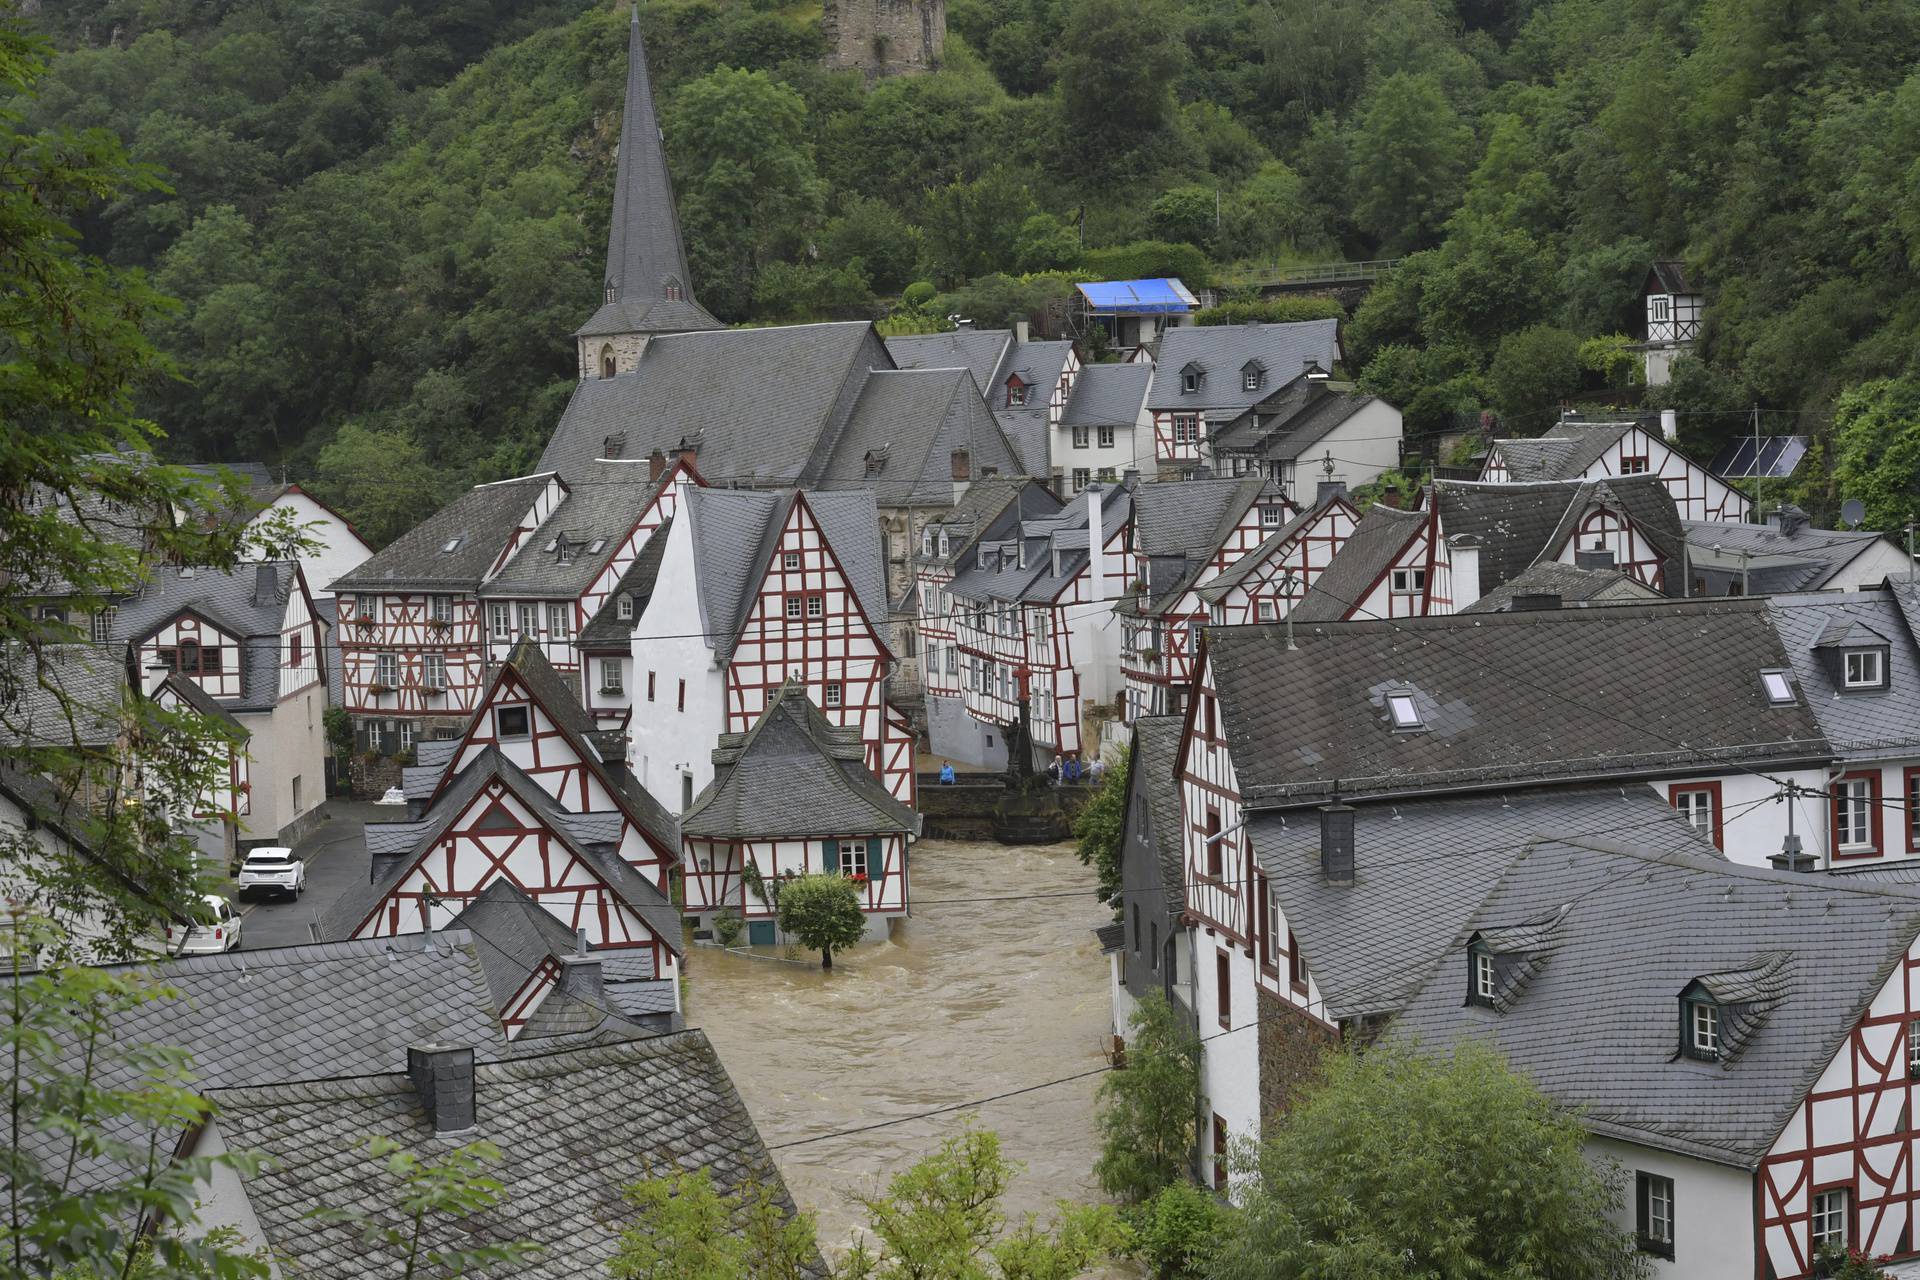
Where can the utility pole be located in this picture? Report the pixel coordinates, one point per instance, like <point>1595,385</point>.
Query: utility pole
<point>1289,584</point>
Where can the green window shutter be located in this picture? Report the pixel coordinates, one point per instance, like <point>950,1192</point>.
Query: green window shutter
<point>830,855</point>
<point>876,866</point>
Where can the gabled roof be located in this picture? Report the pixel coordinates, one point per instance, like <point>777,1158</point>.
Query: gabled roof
<point>607,627</point>
<point>975,350</point>
<point>734,535</point>
<point>1379,538</point>
<point>983,503</point>
<point>248,602</point>
<point>910,422</point>
<point>352,909</point>
<point>1285,348</point>
<point>1006,578</point>
<point>1179,526</point>
<point>1420,870</point>
<point>513,936</point>
<point>1519,524</point>
<point>1507,698</point>
<point>644,255</point>
<point>1860,726</point>
<point>1155,758</point>
<point>1574,586</point>
<point>1598,1026</point>
<point>1670,275</point>
<point>574,1130</point>
<point>1298,415</point>
<point>1565,452</point>
<point>756,404</point>
<point>64,696</point>
<point>1039,365</point>
<point>1218,586</point>
<point>602,506</point>
<point>477,524</point>
<point>1777,558</point>
<point>1108,395</point>
<point>794,774</point>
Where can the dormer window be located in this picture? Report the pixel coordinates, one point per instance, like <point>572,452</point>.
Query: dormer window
<point>1865,669</point>
<point>612,290</point>
<point>567,551</point>
<point>944,544</point>
<point>1189,383</point>
<point>1721,1013</point>
<point>1253,375</point>
<point>623,608</point>
<point>1481,980</point>
<point>1405,712</point>
<point>1700,1036</point>
<point>1016,392</point>
<point>672,290</point>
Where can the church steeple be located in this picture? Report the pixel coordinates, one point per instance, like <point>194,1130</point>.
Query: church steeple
<point>648,289</point>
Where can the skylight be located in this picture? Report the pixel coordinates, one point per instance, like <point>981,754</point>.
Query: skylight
<point>1405,712</point>
<point>453,544</point>
<point>1779,687</point>
<point>599,545</point>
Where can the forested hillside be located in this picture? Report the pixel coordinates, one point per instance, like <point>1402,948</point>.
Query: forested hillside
<point>383,223</point>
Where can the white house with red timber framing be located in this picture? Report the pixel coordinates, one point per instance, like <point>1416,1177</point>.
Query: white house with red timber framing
<point>1205,376</point>
<point>756,588</point>
<point>1590,450</point>
<point>793,796</point>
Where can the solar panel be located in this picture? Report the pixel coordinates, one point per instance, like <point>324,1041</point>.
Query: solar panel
<point>1765,458</point>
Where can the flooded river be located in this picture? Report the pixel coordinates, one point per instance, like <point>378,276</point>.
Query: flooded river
<point>970,998</point>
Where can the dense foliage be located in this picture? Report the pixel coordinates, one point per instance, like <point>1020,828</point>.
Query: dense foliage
<point>822,913</point>
<point>1147,1111</point>
<point>392,218</point>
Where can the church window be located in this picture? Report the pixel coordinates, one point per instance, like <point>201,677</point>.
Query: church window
<point>671,290</point>
<point>606,361</point>
<point>613,291</point>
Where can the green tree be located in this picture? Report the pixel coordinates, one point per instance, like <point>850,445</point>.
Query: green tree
<point>1184,214</point>
<point>1398,1164</point>
<point>972,227</point>
<point>1532,372</point>
<point>1177,1229</point>
<point>1146,1111</point>
<point>1876,449</point>
<point>688,1229</point>
<point>1410,151</point>
<point>1100,826</point>
<point>823,913</point>
<point>377,479</point>
<point>1117,68</point>
<point>1269,215</point>
<point>873,233</point>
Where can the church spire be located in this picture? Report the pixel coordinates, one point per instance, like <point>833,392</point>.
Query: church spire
<point>648,289</point>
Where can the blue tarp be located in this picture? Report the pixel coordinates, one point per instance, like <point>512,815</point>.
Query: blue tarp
<point>1138,297</point>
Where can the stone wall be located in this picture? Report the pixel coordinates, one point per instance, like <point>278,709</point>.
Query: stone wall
<point>885,37</point>
<point>627,350</point>
<point>1291,1045</point>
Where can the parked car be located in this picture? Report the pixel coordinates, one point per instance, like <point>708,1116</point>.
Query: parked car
<point>215,929</point>
<point>272,869</point>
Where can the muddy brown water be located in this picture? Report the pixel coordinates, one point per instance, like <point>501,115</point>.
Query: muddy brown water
<point>970,997</point>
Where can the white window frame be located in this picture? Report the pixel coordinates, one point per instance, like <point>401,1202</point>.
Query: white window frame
<point>611,680</point>
<point>386,670</point>
<point>1830,1218</point>
<point>1083,437</point>
<point>1703,1028</point>
<point>406,738</point>
<point>1853,813</point>
<point>816,606</point>
<point>830,694</point>
<point>559,625</point>
<point>1779,688</point>
<point>1082,477</point>
<point>1659,307</point>
<point>853,858</point>
<point>1695,806</point>
<point>439,608</point>
<point>433,671</point>
<point>1106,437</point>
<point>623,607</point>
<point>1483,975</point>
<point>1250,380</point>
<point>1404,712</point>
<point>794,608</point>
<point>1660,1210</point>
<point>1189,383</point>
<point>1266,611</point>
<point>100,626</point>
<point>790,561</point>
<point>529,619</point>
<point>524,709</point>
<point>1870,671</point>
<point>1409,581</point>
<point>500,621</point>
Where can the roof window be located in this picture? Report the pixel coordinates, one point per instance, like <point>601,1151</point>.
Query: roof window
<point>1721,1013</point>
<point>1779,687</point>
<point>599,545</point>
<point>1405,712</point>
<point>1865,669</point>
<point>453,544</point>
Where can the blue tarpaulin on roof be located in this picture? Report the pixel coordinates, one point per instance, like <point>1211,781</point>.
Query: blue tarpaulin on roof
<point>1138,297</point>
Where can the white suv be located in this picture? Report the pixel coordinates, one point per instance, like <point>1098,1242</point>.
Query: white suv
<point>272,869</point>
<point>215,929</point>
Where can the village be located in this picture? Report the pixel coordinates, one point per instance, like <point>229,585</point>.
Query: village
<point>684,801</point>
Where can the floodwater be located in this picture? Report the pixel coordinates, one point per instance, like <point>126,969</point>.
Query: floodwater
<point>985,990</point>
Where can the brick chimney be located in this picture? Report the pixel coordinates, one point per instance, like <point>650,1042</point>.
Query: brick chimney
<point>442,1076</point>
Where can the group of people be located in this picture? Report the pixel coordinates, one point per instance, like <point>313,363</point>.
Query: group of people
<point>1065,769</point>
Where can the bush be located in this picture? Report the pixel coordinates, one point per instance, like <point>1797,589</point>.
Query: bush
<point>919,293</point>
<point>822,913</point>
<point>728,926</point>
<point>1174,1232</point>
<point>1148,260</point>
<point>1146,1112</point>
<point>1272,311</point>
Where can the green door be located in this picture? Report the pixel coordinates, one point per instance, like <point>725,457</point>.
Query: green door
<point>760,933</point>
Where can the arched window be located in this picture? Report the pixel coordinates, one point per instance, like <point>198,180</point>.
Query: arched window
<point>962,465</point>
<point>672,291</point>
<point>606,361</point>
<point>612,289</point>
<point>189,657</point>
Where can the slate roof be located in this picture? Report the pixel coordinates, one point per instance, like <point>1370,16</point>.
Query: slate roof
<point>574,1129</point>
<point>483,518</point>
<point>103,520</point>
<point>352,908</point>
<point>1215,588</point>
<point>905,426</point>
<point>66,696</point>
<point>1563,452</point>
<point>1156,757</point>
<point>1871,725</point>
<point>1179,525</point>
<point>983,504</point>
<point>1223,350</point>
<point>1380,536</point>
<point>232,600</point>
<point>975,350</point>
<point>1108,395</point>
<point>643,240</point>
<point>735,532</point>
<point>1039,364</point>
<point>1596,1026</point>
<point>1422,867</point>
<point>1518,524</point>
<point>757,404</point>
<point>1575,586</point>
<point>1003,578</point>
<point>1805,559</point>
<point>1292,419</point>
<point>794,774</point>
<point>1507,698</point>
<point>605,628</point>
<point>603,505</point>
<point>1671,275</point>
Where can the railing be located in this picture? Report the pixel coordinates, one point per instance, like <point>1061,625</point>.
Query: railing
<point>1311,273</point>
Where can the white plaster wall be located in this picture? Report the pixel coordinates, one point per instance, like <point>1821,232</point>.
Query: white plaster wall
<point>1753,826</point>
<point>1230,1059</point>
<point>666,743</point>
<point>221,1201</point>
<point>340,551</point>
<point>1712,1210</point>
<point>1363,446</point>
<point>1871,567</point>
<point>286,742</point>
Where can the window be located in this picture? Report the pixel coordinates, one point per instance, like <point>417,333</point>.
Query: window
<point>1653,1217</point>
<point>1865,669</point>
<point>1153,945</point>
<point>1214,841</point>
<point>433,670</point>
<point>1700,806</point>
<point>386,671</point>
<point>681,700</point>
<point>1219,1154</point>
<point>452,545</point>
<point>1702,1031</point>
<point>623,607</point>
<point>1266,611</point>
<point>953,659</point>
<point>512,722</point>
<point>1405,711</point>
<point>1408,582</point>
<point>1106,437</point>
<point>1136,928</point>
<point>440,609</point>
<point>1831,1218</point>
<point>293,651</point>
<point>606,362</point>
<point>830,695</point>
<point>1016,392</point>
<point>650,679</point>
<point>406,739</point>
<point>102,625</point>
<point>1779,687</point>
<point>529,619</point>
<point>1913,810</point>
<point>816,606</point>
<point>1659,307</point>
<point>1634,466</point>
<point>1482,976</point>
<point>1296,965</point>
<point>1189,383</point>
<point>1186,428</point>
<point>853,857</point>
<point>1082,477</point>
<point>1223,987</point>
<point>610,678</point>
<point>1913,1049</point>
<point>672,290</point>
<point>1250,380</point>
<point>1263,922</point>
<point>1272,516</point>
<point>296,793</point>
<point>793,608</point>
<point>1082,437</point>
<point>790,560</point>
<point>500,621</point>
<point>558,625</point>
<point>1856,814</point>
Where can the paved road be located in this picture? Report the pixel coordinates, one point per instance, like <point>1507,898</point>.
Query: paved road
<point>336,861</point>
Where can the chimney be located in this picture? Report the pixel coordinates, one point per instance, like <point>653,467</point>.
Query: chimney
<point>1791,519</point>
<point>1336,843</point>
<point>656,465</point>
<point>1390,496</point>
<point>1130,478</point>
<point>1670,425</point>
<point>1463,556</point>
<point>1096,545</point>
<point>1020,330</point>
<point>1327,490</point>
<point>581,978</point>
<point>1791,857</point>
<point>266,585</point>
<point>442,1075</point>
<point>1534,601</point>
<point>1597,558</point>
<point>1203,472</point>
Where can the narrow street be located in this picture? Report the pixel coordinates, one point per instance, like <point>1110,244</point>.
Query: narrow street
<point>983,991</point>
<point>336,858</point>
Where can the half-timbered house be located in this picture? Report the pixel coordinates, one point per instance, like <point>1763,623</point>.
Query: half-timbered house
<point>1785,553</point>
<point>606,642</point>
<point>1034,628</point>
<point>1578,449</point>
<point>1675,307</point>
<point>790,797</point>
<point>250,639</point>
<point>1207,375</point>
<point>1552,584</point>
<point>1310,430</point>
<point>756,588</point>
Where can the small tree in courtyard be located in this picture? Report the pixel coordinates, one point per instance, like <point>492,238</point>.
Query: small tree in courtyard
<point>823,913</point>
<point>1398,1164</point>
<point>1147,1110</point>
<point>1100,825</point>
